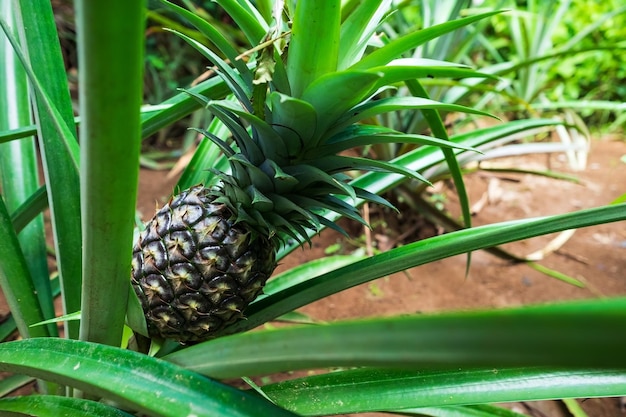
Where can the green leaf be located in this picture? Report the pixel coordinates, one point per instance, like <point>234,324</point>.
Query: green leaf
<point>13,382</point>
<point>30,209</point>
<point>366,390</point>
<point>339,163</point>
<point>269,141</point>
<point>54,406</point>
<point>247,17</point>
<point>399,46</point>
<point>61,126</point>
<point>547,335</point>
<point>390,104</point>
<point>419,253</point>
<point>357,30</point>
<point>293,119</point>
<point>412,68</point>
<point>318,20</point>
<point>15,281</point>
<point>484,410</point>
<point>233,79</point>
<point>435,122</point>
<point>207,154</point>
<point>574,408</point>
<point>7,327</point>
<point>307,271</point>
<point>182,104</point>
<point>56,134</point>
<point>332,95</point>
<point>110,54</point>
<point>19,172</point>
<point>353,139</point>
<point>157,388</point>
<point>214,36</point>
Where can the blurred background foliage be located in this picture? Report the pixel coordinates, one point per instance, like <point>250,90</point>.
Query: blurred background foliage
<point>574,50</point>
<point>597,74</point>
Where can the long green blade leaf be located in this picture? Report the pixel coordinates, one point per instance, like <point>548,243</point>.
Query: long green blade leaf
<point>529,336</point>
<point>318,20</point>
<point>19,171</point>
<point>15,281</point>
<point>137,381</point>
<point>110,40</point>
<point>403,44</point>
<point>59,160</point>
<point>419,253</point>
<point>366,390</point>
<point>54,406</point>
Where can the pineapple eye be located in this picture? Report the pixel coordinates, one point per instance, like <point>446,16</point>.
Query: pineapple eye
<point>154,257</point>
<point>181,246</point>
<point>184,277</point>
<point>188,214</point>
<point>157,289</point>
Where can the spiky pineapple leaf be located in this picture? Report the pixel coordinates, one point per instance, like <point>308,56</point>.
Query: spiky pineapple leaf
<point>256,175</point>
<point>330,203</point>
<point>424,157</point>
<point>332,226</point>
<point>214,36</point>
<point>433,117</point>
<point>293,119</point>
<point>399,46</point>
<point>318,20</point>
<point>309,174</point>
<point>240,133</point>
<point>357,30</point>
<point>385,105</point>
<point>267,139</point>
<point>247,17</point>
<point>410,68</point>
<point>224,147</point>
<point>339,144</point>
<point>241,89</point>
<point>181,105</point>
<point>340,163</point>
<point>332,95</point>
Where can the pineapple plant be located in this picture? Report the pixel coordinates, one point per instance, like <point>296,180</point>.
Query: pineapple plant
<point>300,106</point>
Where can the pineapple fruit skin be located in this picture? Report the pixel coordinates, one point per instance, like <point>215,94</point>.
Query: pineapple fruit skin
<point>194,270</point>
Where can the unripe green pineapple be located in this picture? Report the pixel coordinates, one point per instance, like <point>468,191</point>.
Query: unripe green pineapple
<point>208,253</point>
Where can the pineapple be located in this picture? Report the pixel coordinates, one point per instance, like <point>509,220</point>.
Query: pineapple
<point>208,253</point>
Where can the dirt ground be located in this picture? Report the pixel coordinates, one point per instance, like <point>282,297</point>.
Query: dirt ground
<point>595,255</point>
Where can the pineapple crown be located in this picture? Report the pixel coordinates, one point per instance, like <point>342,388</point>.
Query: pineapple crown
<point>301,105</point>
